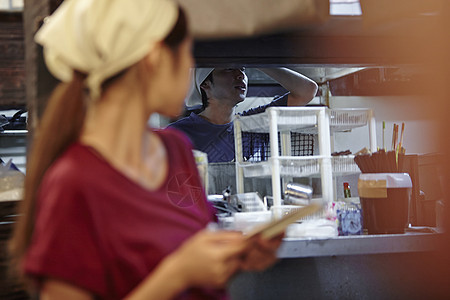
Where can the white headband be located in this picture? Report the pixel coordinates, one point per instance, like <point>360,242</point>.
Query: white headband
<point>103,37</point>
<point>198,75</point>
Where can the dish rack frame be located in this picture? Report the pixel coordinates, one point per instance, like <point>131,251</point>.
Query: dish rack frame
<point>317,120</point>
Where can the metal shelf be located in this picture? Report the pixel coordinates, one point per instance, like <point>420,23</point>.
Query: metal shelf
<point>300,166</point>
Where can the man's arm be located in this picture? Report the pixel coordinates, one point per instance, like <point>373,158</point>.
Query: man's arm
<point>302,89</point>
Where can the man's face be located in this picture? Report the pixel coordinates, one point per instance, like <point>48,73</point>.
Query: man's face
<point>228,85</point>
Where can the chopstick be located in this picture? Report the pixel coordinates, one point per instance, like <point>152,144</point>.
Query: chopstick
<point>384,161</point>
<point>394,136</point>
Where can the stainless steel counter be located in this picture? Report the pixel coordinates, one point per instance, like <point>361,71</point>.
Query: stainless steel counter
<point>362,244</point>
<point>395,266</point>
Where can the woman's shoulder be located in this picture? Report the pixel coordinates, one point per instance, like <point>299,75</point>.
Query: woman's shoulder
<point>71,166</point>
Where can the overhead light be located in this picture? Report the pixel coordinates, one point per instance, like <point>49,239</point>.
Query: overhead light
<point>345,7</point>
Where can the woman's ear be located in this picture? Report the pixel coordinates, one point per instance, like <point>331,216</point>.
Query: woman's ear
<point>153,59</point>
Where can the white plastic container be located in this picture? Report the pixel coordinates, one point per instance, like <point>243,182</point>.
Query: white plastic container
<point>246,221</point>
<point>385,201</point>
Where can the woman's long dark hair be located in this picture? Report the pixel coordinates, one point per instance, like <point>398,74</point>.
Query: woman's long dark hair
<point>60,126</point>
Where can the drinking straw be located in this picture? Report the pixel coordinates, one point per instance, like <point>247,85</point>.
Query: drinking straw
<point>373,158</point>
<point>383,161</point>
<point>399,146</point>
<point>401,136</point>
<point>373,163</point>
<point>393,137</point>
<point>359,163</point>
<point>400,162</point>
<point>388,162</point>
<point>396,156</point>
<point>396,136</point>
<point>365,161</point>
<point>392,163</point>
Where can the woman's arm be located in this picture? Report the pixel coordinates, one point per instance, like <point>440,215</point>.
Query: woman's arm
<point>262,254</point>
<point>301,88</point>
<point>53,289</point>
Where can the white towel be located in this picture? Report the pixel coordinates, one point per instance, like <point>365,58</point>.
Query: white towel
<point>198,75</point>
<point>103,37</point>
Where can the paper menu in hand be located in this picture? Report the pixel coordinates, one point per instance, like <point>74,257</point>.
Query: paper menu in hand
<point>274,228</point>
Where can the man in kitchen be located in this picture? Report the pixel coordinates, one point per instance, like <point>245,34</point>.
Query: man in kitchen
<point>218,91</point>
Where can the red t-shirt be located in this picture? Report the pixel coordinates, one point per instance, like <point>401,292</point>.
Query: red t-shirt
<point>100,231</point>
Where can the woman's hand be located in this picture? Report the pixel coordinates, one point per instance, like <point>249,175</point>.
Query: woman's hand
<point>210,258</point>
<point>261,253</point>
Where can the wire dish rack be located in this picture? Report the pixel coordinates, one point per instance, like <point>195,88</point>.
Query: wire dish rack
<point>305,120</point>
<point>289,120</point>
<point>286,209</point>
<point>348,119</point>
<point>301,166</point>
<point>280,122</point>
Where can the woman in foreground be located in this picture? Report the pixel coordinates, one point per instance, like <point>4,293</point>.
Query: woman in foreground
<point>112,208</point>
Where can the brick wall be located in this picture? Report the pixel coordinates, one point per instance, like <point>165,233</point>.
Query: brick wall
<point>12,61</point>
